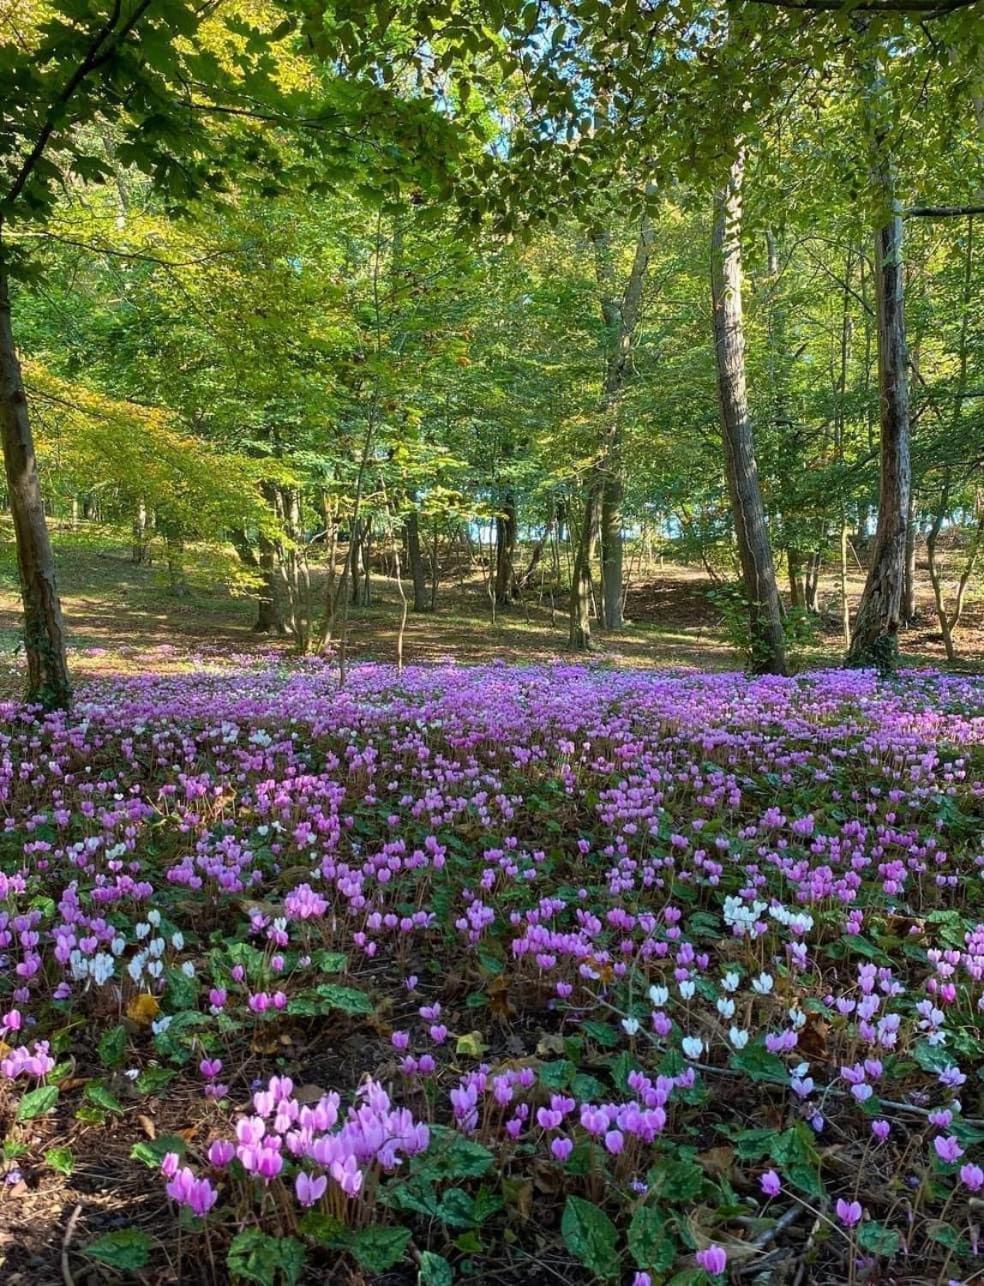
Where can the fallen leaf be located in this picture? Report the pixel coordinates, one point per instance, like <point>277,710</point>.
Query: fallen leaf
<point>143,1009</point>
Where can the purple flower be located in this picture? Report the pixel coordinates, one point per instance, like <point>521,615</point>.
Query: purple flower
<point>713,1260</point>
<point>972,1177</point>
<point>948,1148</point>
<point>770,1183</point>
<point>310,1190</point>
<point>881,1130</point>
<point>849,1212</point>
<point>221,1152</point>
<point>562,1148</point>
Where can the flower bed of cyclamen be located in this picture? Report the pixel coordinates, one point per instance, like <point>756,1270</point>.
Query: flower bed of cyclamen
<point>652,977</point>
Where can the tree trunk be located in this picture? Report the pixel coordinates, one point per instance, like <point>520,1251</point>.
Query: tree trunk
<point>139,553</point>
<point>580,615</point>
<point>875,639</point>
<point>754,548</point>
<point>44,633</point>
<point>505,549</point>
<point>612,546</point>
<point>418,574</point>
<point>909,585</point>
<point>268,616</point>
<point>620,311</point>
<point>797,592</point>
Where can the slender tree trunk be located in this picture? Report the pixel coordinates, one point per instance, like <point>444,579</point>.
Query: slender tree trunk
<point>139,553</point>
<point>418,575</point>
<point>797,592</point>
<point>612,547</point>
<point>875,639</point>
<point>44,633</point>
<point>754,547</point>
<point>620,311</point>
<point>505,549</point>
<point>580,614</point>
<point>909,585</point>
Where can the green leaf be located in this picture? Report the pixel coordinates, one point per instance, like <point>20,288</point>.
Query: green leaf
<point>61,1159</point>
<point>378,1247</point>
<point>182,991</point>
<point>126,1249</point>
<point>434,1270</point>
<point>37,1102</point>
<point>759,1065</point>
<point>452,1156</point>
<point>601,1033</point>
<point>325,1229</point>
<point>591,1237</point>
<point>649,1245</point>
<point>268,1261</point>
<point>878,1239</point>
<point>96,1092</point>
<point>151,1152</point>
<point>153,1079</point>
<point>556,1075</point>
<point>112,1046</point>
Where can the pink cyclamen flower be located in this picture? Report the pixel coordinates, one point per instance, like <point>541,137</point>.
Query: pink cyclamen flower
<point>713,1260</point>
<point>642,1279</point>
<point>770,1183</point>
<point>310,1189</point>
<point>169,1164</point>
<point>880,1129</point>
<point>972,1177</point>
<point>221,1152</point>
<point>947,1148</point>
<point>561,1149</point>
<point>849,1212</point>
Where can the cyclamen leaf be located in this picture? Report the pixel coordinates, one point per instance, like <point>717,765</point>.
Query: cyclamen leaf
<point>127,1249</point>
<point>434,1270</point>
<point>37,1102</point>
<point>591,1237</point>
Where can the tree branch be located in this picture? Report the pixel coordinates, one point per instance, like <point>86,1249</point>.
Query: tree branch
<point>942,211</point>
<point>95,57</point>
<point>922,8</point>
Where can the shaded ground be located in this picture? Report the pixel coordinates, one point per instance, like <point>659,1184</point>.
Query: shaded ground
<point>123,616</point>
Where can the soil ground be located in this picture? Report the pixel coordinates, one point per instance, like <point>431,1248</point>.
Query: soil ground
<point>123,616</point>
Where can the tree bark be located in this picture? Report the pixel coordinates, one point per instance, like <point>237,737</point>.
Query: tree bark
<point>580,614</point>
<point>620,311</point>
<point>768,650</point>
<point>415,559</point>
<point>505,549</point>
<point>44,633</point>
<point>876,625</point>
<point>268,615</point>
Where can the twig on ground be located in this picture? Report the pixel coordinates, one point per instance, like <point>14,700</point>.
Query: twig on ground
<point>66,1271</point>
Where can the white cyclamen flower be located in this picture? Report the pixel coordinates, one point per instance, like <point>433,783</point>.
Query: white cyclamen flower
<point>692,1046</point>
<point>738,1037</point>
<point>659,996</point>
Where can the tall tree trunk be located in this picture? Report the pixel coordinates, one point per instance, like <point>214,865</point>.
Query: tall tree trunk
<point>797,592</point>
<point>44,633</point>
<point>268,615</point>
<point>908,613</point>
<point>505,549</point>
<point>875,639</point>
<point>139,553</point>
<point>754,548</point>
<point>580,614</point>
<point>620,311</point>
<point>415,559</point>
<point>612,547</point>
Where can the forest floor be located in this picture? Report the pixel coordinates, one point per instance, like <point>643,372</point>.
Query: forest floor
<point>122,617</point>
